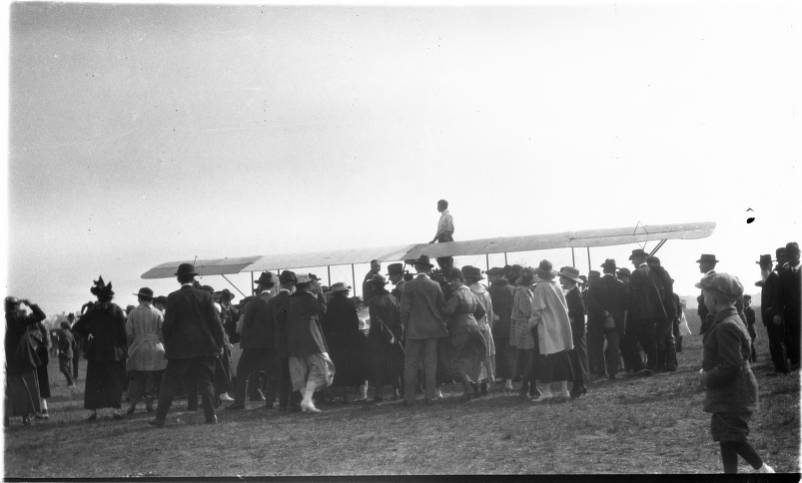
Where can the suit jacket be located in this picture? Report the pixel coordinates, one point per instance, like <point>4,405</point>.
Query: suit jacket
<point>422,304</point>
<point>191,327</point>
<point>789,294</point>
<point>278,306</point>
<point>576,312</point>
<point>610,295</point>
<point>644,297</point>
<point>304,333</point>
<point>258,325</point>
<point>106,324</point>
<point>770,298</point>
<point>502,294</point>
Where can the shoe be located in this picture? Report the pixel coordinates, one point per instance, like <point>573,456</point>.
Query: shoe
<point>159,423</point>
<point>309,408</point>
<point>226,398</point>
<point>645,372</point>
<point>765,469</point>
<point>258,397</point>
<point>508,386</point>
<point>42,415</point>
<point>212,420</point>
<point>235,407</point>
<point>26,420</point>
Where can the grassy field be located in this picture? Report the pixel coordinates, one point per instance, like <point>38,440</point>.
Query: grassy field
<point>636,425</point>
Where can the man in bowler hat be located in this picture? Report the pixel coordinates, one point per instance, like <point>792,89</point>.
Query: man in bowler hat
<point>646,310</point>
<point>769,307</point>
<point>422,305</point>
<point>193,340</point>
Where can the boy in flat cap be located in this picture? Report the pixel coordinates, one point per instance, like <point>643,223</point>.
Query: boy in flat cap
<point>730,385</point>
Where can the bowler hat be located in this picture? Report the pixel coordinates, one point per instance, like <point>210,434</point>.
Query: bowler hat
<point>469,271</point>
<point>395,269</point>
<point>545,270</point>
<point>423,261</point>
<point>791,247</point>
<point>779,253</point>
<point>265,279</point>
<point>707,258</point>
<point>287,277</point>
<point>186,270</point>
<point>765,261</point>
<point>723,283</point>
<point>570,273</point>
<point>302,278</point>
<point>638,252</point>
<point>608,264</point>
<point>145,293</point>
<point>339,287</point>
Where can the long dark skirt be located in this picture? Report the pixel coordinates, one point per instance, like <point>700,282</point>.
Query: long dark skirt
<point>22,393</point>
<point>554,367</point>
<point>44,381</point>
<point>104,385</point>
<point>386,362</point>
<point>350,360</point>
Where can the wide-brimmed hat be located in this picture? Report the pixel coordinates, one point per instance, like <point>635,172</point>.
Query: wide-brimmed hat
<point>723,283</point>
<point>145,293</point>
<point>423,261</point>
<point>186,270</point>
<point>395,269</point>
<point>707,258</point>
<point>791,247</point>
<point>545,270</point>
<point>765,260</point>
<point>609,264</point>
<point>570,273</point>
<point>340,287</point>
<point>638,252</point>
<point>469,271</point>
<point>302,278</point>
<point>453,273</point>
<point>287,276</point>
<point>265,280</point>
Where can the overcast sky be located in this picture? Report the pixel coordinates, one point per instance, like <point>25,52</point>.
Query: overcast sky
<point>141,134</point>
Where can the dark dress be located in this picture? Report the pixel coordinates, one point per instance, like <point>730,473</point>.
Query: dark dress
<point>44,355</point>
<point>347,345</point>
<point>23,342</point>
<point>103,325</point>
<point>384,341</point>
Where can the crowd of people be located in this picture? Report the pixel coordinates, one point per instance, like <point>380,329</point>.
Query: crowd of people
<point>549,331</point>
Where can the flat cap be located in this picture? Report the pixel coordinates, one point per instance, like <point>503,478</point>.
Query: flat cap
<point>723,283</point>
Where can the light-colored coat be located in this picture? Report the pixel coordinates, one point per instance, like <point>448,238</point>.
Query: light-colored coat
<point>422,304</point>
<point>550,314</point>
<point>143,330</point>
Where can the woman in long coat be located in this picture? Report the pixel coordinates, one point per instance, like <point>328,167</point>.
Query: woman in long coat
<point>347,345</point>
<point>103,325</point>
<point>472,276</point>
<point>23,341</point>
<point>384,338</point>
<point>465,349</point>
<point>554,340</point>
<point>522,339</point>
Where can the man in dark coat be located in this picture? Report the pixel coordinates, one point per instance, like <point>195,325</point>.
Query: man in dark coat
<point>769,307</point>
<point>77,348</point>
<point>707,266</point>
<point>502,295</point>
<point>611,296</point>
<point>395,272</point>
<point>257,343</point>
<point>790,302</point>
<point>375,268</point>
<point>23,341</point>
<point>666,348</point>
<point>646,311</point>
<point>193,340</point>
<point>287,399</point>
<point>384,339</point>
<point>422,306</point>
<point>569,277</point>
<point>65,344</point>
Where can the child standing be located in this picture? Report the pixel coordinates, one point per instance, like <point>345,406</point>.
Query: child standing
<point>730,384</point>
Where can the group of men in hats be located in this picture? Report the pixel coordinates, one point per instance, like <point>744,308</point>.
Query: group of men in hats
<point>780,305</point>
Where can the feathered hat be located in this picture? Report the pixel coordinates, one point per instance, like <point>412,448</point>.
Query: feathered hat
<point>102,290</point>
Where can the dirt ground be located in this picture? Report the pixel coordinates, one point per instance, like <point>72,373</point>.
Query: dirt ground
<point>632,425</point>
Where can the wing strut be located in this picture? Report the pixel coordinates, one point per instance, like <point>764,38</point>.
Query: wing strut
<point>657,247</point>
<point>232,284</point>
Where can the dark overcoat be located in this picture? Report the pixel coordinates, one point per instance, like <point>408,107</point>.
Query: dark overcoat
<point>191,327</point>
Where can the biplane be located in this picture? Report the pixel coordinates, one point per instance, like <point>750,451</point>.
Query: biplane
<point>400,253</point>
